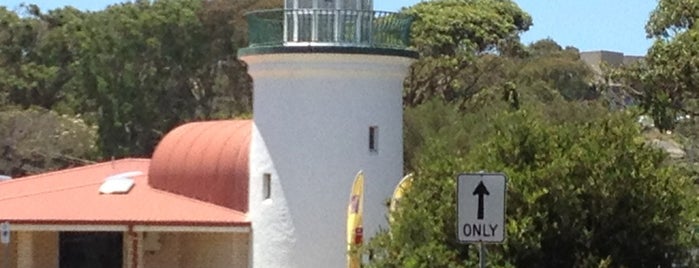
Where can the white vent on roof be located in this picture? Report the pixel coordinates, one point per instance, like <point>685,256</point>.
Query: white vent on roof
<point>5,178</point>
<point>120,183</point>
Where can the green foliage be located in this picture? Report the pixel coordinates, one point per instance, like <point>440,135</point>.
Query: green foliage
<point>584,190</point>
<point>135,69</point>
<point>556,69</point>
<point>37,140</point>
<point>454,38</point>
<point>665,84</point>
<point>671,17</point>
<point>151,65</point>
<point>584,184</point>
<point>473,51</point>
<point>36,55</point>
<point>131,67</point>
<point>466,27</point>
<point>439,121</point>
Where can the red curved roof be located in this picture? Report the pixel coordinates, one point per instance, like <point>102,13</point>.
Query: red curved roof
<point>206,161</point>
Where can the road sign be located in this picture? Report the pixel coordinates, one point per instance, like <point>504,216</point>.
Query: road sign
<point>5,232</point>
<point>481,207</point>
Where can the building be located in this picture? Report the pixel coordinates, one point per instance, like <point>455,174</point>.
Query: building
<point>268,192</point>
<point>595,59</point>
<point>614,93</point>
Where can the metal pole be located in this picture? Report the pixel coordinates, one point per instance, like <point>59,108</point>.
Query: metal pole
<point>481,255</point>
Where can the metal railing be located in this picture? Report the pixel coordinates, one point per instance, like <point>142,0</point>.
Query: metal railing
<point>329,27</point>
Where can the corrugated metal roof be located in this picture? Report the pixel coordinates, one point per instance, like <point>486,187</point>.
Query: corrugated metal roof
<point>71,197</point>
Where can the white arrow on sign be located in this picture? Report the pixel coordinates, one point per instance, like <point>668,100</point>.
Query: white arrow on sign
<point>481,207</point>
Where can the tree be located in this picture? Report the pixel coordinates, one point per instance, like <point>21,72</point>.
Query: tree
<point>135,70</point>
<point>148,66</point>
<point>38,51</point>
<point>458,41</point>
<point>38,140</point>
<point>547,65</point>
<point>584,190</point>
<point>545,75</point>
<point>471,48</point>
<point>665,83</point>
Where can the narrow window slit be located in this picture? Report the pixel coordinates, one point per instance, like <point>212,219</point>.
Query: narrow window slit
<point>374,139</point>
<point>267,186</point>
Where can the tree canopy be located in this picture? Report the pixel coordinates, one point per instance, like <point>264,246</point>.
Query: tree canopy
<point>131,72</point>
<point>585,189</point>
<point>455,39</point>
<point>665,83</point>
<point>36,140</point>
<point>135,70</point>
<point>586,186</point>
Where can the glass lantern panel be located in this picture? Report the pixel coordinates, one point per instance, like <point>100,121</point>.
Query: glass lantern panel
<point>327,4</point>
<point>302,3</point>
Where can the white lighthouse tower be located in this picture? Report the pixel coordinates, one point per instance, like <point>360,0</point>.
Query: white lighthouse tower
<point>328,82</point>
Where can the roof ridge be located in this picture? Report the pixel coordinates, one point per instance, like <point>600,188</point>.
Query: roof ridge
<point>62,171</point>
<point>213,121</point>
<point>55,190</point>
<point>60,189</point>
<point>174,195</point>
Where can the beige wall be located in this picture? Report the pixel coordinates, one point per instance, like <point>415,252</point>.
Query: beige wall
<point>177,249</point>
<point>198,250</point>
<point>45,249</point>
<point>214,250</point>
<point>31,250</point>
<point>169,253</point>
<point>8,253</point>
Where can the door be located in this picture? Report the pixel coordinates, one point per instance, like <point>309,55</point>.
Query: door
<point>91,249</point>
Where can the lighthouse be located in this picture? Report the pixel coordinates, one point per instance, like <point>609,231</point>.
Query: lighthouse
<point>327,103</point>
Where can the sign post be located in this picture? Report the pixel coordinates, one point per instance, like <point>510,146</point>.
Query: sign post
<point>481,209</point>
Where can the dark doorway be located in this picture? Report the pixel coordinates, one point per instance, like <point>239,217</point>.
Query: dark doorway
<point>91,249</point>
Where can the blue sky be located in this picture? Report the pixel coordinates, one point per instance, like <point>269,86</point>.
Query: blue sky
<point>615,25</point>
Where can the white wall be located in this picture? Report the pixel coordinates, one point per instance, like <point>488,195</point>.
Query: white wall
<point>313,113</point>
<point>272,227</point>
